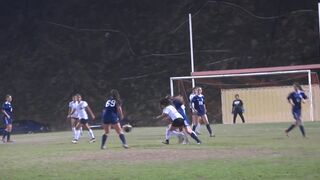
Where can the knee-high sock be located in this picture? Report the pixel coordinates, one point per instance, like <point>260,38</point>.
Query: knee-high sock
<point>104,140</point>
<point>90,132</point>
<point>168,134</point>
<point>291,127</point>
<point>74,132</point>
<point>302,130</point>
<point>209,128</point>
<point>78,134</point>
<point>8,136</point>
<point>122,138</point>
<point>194,127</point>
<point>195,137</point>
<point>4,134</point>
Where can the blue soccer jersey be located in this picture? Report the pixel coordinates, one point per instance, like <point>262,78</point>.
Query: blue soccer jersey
<point>198,102</point>
<point>181,109</point>
<point>7,107</point>
<point>296,97</point>
<point>111,112</point>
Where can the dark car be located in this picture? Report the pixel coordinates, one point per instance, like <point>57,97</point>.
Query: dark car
<point>27,127</point>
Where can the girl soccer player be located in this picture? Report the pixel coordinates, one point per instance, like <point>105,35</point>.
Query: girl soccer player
<point>82,109</point>
<point>177,121</point>
<point>295,98</point>
<point>200,108</point>
<point>8,115</point>
<point>72,114</point>
<point>112,114</point>
<point>195,118</point>
<point>237,108</point>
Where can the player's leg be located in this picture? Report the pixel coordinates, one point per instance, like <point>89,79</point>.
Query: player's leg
<point>90,133</point>
<point>9,129</point>
<point>104,138</point>
<point>192,134</point>
<point>195,121</point>
<point>77,134</point>
<point>299,123</point>
<point>242,117</point>
<point>292,126</point>
<point>119,131</point>
<point>73,126</point>
<point>198,127</point>
<point>235,114</point>
<point>206,121</point>
<point>5,131</point>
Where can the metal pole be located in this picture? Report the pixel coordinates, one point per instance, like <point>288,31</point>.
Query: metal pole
<point>171,87</point>
<point>311,96</point>
<point>191,48</point>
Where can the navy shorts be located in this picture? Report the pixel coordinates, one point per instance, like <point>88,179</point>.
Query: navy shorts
<point>84,121</point>
<point>110,120</point>
<point>296,114</point>
<point>7,121</point>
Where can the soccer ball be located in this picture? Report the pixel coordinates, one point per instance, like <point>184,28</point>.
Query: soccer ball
<point>127,128</point>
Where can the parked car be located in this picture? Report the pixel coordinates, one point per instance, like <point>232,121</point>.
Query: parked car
<point>27,127</point>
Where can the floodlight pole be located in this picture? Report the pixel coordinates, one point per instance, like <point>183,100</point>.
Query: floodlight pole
<point>310,95</point>
<point>191,48</point>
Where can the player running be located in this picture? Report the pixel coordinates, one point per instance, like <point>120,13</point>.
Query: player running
<point>199,107</point>
<point>112,114</point>
<point>170,113</point>
<point>82,109</point>
<point>295,98</point>
<point>7,111</point>
<point>237,108</point>
<point>72,114</point>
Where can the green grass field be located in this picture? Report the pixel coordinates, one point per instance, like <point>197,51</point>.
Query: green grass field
<point>244,151</point>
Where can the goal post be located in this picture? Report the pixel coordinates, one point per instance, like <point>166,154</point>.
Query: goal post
<point>308,74</point>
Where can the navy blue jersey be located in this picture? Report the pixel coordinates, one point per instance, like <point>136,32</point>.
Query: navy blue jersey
<point>296,97</point>
<point>198,102</point>
<point>181,109</point>
<point>7,107</point>
<point>111,110</point>
<point>237,105</point>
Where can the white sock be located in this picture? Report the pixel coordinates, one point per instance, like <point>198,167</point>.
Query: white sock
<point>198,127</point>
<point>74,132</point>
<point>90,132</point>
<point>77,137</point>
<point>177,133</point>
<point>168,134</point>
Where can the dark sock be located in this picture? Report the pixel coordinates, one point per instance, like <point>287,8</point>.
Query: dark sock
<point>4,134</point>
<point>195,137</point>
<point>104,139</point>
<point>8,136</point>
<point>290,128</point>
<point>302,130</point>
<point>123,139</point>
<point>209,128</point>
<point>194,127</point>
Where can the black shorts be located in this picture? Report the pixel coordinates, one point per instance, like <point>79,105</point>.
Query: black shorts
<point>179,122</point>
<point>84,121</point>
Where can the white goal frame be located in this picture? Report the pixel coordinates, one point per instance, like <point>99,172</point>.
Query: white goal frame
<point>252,74</point>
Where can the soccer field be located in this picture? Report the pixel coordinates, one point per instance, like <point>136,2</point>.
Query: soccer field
<point>242,151</point>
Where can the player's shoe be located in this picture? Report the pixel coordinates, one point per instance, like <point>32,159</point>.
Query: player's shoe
<point>212,135</point>
<point>165,142</point>
<point>103,147</point>
<point>74,141</point>
<point>92,140</point>
<point>286,132</point>
<point>126,146</point>
<point>199,142</point>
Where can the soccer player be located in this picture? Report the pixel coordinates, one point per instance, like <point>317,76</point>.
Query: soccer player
<point>7,111</point>
<point>72,114</point>
<point>198,105</point>
<point>170,113</point>
<point>178,103</point>
<point>82,109</point>
<point>237,108</point>
<point>112,114</point>
<point>295,98</point>
<point>195,118</point>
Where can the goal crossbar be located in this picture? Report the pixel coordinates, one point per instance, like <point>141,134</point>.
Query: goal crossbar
<point>308,71</point>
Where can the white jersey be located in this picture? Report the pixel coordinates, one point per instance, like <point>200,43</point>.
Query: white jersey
<point>172,112</point>
<point>192,95</point>
<point>81,110</point>
<point>73,106</point>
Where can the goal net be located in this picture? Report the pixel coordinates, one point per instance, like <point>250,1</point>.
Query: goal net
<point>264,95</point>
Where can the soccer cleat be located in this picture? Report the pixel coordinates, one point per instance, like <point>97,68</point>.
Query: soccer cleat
<point>92,140</point>
<point>212,135</point>
<point>165,142</point>
<point>103,147</point>
<point>125,146</point>
<point>74,141</point>
<point>199,142</point>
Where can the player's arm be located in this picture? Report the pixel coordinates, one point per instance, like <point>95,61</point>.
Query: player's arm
<point>120,112</point>
<point>90,111</point>
<point>5,113</point>
<point>290,100</point>
<point>70,112</point>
